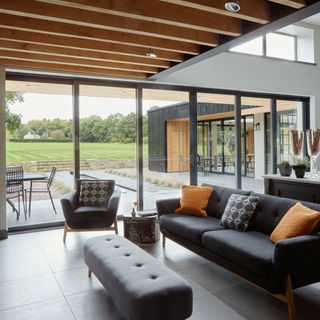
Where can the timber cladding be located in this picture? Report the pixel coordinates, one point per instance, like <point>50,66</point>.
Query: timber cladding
<point>157,133</point>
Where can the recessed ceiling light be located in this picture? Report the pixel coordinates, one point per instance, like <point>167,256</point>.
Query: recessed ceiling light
<point>232,6</point>
<point>151,54</point>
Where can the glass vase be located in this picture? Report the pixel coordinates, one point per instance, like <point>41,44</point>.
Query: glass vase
<point>297,143</point>
<point>313,147</point>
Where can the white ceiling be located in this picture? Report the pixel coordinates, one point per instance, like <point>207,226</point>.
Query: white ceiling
<point>313,19</point>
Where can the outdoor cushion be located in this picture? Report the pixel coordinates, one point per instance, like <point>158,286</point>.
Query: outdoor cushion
<point>253,250</point>
<point>189,227</point>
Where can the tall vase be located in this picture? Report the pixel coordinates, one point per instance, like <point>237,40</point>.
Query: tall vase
<point>297,143</point>
<point>313,146</point>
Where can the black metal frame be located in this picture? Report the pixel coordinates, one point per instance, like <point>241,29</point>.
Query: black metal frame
<point>193,125</point>
<point>46,189</point>
<point>15,189</point>
<point>76,130</point>
<point>243,130</point>
<point>139,147</point>
<point>75,82</point>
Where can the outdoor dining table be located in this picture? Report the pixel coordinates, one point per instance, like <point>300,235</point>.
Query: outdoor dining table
<point>27,177</point>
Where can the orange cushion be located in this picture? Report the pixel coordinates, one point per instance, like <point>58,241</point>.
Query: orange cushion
<point>298,221</point>
<point>194,200</point>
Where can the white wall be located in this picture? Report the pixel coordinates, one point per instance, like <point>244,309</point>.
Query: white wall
<point>3,222</point>
<point>252,73</point>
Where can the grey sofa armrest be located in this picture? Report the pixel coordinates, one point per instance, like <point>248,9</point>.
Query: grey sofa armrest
<point>299,257</point>
<point>69,202</point>
<point>114,202</point>
<point>166,206</point>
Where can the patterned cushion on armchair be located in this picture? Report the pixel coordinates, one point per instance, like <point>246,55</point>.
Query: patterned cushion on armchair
<point>94,193</point>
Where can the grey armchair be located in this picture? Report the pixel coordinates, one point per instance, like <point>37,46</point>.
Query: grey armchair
<point>92,206</point>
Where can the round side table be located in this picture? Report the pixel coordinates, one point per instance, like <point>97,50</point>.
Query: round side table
<point>141,229</point>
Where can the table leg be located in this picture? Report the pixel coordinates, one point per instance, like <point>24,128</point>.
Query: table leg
<point>13,208</point>
<point>30,191</point>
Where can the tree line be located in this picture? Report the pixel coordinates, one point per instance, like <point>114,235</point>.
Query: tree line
<point>115,128</point>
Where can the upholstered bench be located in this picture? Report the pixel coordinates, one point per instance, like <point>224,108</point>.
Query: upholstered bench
<point>141,287</point>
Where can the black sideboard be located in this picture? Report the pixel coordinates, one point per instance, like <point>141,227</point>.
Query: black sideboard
<point>304,189</point>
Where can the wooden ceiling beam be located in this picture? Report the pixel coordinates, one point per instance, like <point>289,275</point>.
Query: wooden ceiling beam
<point>71,30</point>
<point>47,58</point>
<point>49,12</point>
<point>256,11</point>
<point>64,68</point>
<point>159,12</point>
<point>82,44</point>
<point>297,4</point>
<point>44,57</point>
<point>77,53</point>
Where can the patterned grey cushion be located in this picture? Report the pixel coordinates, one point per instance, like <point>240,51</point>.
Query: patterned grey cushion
<point>238,212</point>
<point>94,193</point>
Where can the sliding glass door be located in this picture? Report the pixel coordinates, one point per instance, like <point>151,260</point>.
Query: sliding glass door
<point>166,144</point>
<point>108,138</point>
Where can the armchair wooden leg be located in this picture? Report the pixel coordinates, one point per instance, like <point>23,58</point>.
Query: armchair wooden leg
<point>89,273</point>
<point>163,241</point>
<point>290,299</point>
<point>65,230</point>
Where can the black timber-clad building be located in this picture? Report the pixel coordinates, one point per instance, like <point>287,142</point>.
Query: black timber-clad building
<point>157,128</point>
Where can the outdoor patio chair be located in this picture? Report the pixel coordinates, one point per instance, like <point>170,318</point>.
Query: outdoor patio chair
<point>43,186</point>
<point>15,189</point>
<point>93,206</point>
<point>203,164</point>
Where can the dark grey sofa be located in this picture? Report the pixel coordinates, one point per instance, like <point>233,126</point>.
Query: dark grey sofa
<point>277,268</point>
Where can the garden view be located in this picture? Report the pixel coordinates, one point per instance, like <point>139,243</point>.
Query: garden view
<point>39,137</point>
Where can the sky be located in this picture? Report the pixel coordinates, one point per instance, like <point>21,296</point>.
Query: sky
<point>51,106</point>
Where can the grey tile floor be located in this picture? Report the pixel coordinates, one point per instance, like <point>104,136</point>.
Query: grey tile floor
<point>41,278</point>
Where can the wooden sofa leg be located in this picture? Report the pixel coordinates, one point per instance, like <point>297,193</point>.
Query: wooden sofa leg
<point>290,299</point>
<point>163,241</point>
<point>89,273</point>
<point>65,230</point>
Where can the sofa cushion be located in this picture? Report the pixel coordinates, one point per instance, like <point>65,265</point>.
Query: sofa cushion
<point>219,199</point>
<point>270,210</point>
<point>188,227</point>
<point>194,200</point>
<point>252,250</point>
<point>298,221</point>
<point>238,212</point>
<point>90,210</point>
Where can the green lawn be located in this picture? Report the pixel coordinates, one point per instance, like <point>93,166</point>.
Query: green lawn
<point>18,152</point>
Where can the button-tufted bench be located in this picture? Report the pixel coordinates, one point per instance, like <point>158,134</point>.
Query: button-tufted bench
<point>141,287</point>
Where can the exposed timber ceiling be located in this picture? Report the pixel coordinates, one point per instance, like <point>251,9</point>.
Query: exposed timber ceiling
<point>111,38</point>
